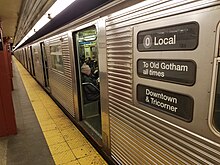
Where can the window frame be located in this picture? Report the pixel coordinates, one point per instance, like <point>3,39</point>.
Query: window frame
<point>56,54</point>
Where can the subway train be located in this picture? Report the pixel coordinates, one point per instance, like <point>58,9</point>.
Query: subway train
<point>156,65</point>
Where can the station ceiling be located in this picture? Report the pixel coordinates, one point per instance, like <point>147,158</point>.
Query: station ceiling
<point>17,17</point>
<point>9,11</point>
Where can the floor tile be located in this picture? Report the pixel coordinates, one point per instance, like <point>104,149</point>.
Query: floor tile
<point>76,143</point>
<point>52,133</point>
<point>55,140</point>
<point>75,162</point>
<point>59,148</point>
<point>70,134</point>
<point>83,151</point>
<point>92,160</point>
<point>64,157</point>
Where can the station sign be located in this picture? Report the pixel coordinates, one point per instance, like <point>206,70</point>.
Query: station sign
<point>176,37</point>
<point>176,71</point>
<point>175,104</point>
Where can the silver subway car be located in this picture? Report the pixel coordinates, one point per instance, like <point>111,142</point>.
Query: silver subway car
<point>156,66</point>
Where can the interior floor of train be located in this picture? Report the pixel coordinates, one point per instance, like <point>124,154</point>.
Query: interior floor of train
<point>45,135</point>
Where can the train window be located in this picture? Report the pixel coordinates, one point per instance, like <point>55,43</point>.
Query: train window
<point>216,115</point>
<point>36,55</point>
<point>57,57</point>
<point>87,45</point>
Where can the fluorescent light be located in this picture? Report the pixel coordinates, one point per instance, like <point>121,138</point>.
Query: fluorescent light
<point>43,21</point>
<point>54,10</point>
<point>58,6</point>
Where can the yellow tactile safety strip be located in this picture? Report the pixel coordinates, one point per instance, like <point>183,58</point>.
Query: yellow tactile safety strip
<point>66,143</point>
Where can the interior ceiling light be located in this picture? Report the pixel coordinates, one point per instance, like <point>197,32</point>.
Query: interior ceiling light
<point>54,10</point>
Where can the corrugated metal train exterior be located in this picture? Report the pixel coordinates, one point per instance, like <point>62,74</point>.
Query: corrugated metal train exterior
<point>147,117</point>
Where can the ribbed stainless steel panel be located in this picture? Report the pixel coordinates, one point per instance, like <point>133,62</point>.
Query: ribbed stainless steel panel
<point>119,55</point>
<point>138,137</point>
<point>61,83</point>
<point>136,133</point>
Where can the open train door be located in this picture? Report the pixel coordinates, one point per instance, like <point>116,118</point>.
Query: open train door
<point>86,58</point>
<point>31,61</point>
<point>45,66</point>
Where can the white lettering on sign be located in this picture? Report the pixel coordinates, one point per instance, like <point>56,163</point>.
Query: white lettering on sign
<point>145,72</point>
<point>158,68</point>
<point>152,98</point>
<point>156,73</point>
<point>165,41</point>
<point>175,67</point>
<point>152,72</point>
<point>154,65</point>
<point>147,41</point>
<point>163,105</point>
<point>145,64</point>
<point>161,96</point>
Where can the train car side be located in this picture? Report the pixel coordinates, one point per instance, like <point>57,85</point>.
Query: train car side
<point>158,67</point>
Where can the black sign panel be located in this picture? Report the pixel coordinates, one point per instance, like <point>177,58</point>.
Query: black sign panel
<point>177,37</point>
<point>176,71</point>
<point>177,105</point>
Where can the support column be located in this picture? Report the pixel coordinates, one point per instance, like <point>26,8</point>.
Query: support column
<point>7,115</point>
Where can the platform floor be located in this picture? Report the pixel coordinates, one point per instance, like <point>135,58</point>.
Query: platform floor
<point>45,135</point>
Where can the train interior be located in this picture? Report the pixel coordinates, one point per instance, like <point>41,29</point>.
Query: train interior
<point>88,88</point>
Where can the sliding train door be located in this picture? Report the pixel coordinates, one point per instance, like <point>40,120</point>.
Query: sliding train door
<point>24,58</point>
<point>31,61</point>
<point>87,71</point>
<point>27,60</point>
<point>45,66</point>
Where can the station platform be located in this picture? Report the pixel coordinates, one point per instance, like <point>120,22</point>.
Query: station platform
<point>45,135</point>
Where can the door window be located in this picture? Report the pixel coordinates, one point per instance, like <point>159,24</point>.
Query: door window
<point>57,57</point>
